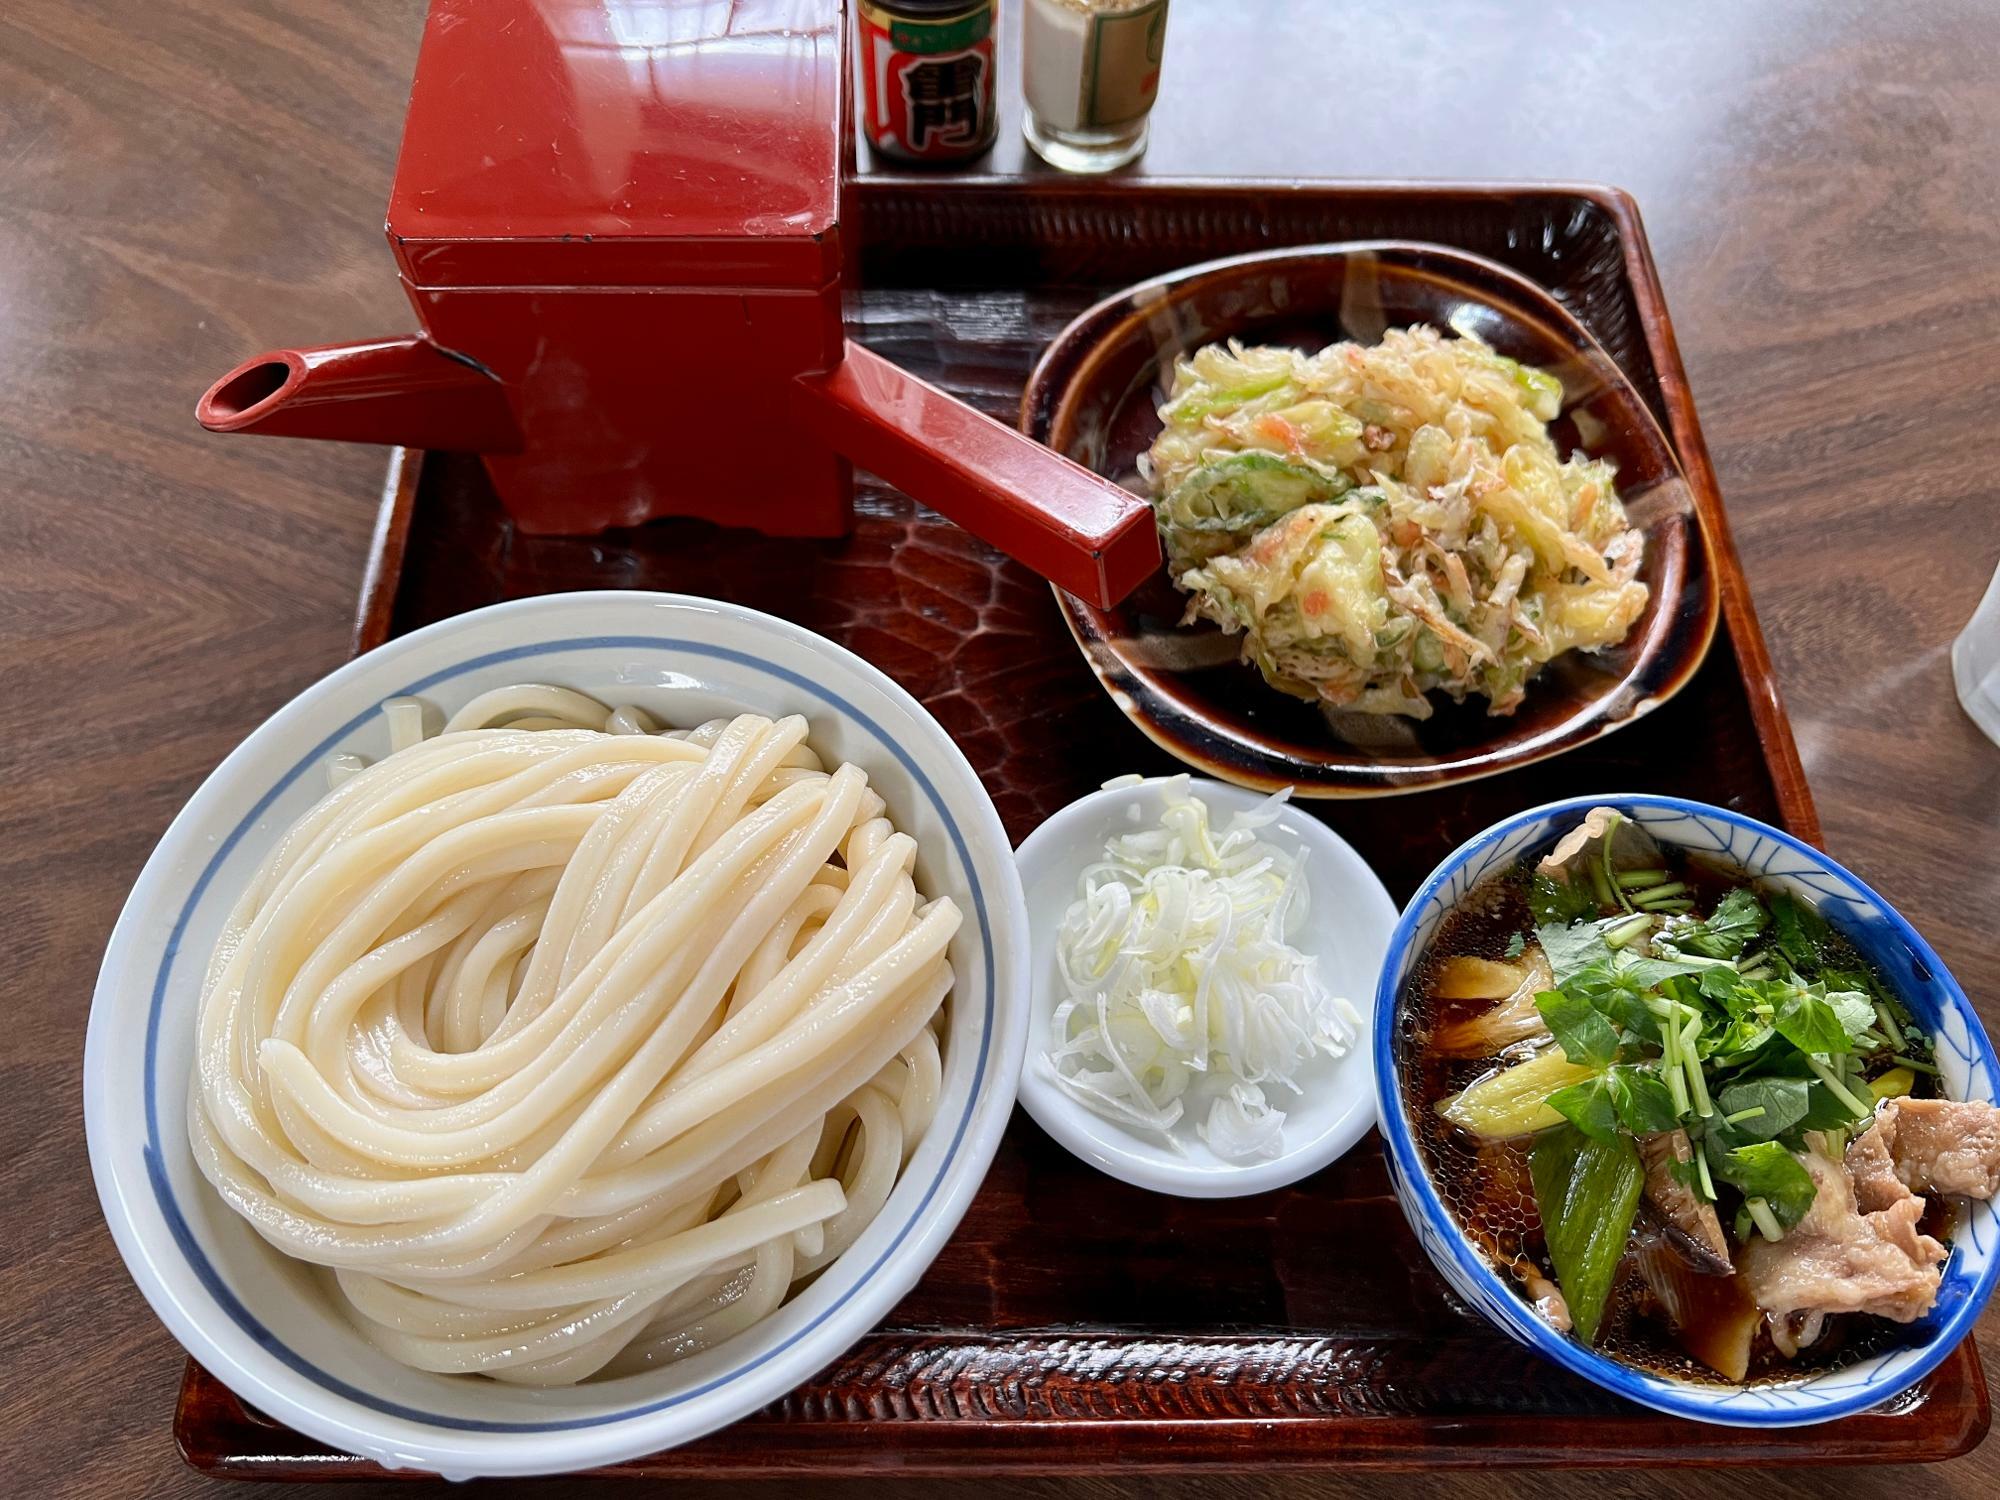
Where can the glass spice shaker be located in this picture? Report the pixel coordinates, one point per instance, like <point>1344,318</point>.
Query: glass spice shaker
<point>927,71</point>
<point>1975,663</point>
<point>1090,70</point>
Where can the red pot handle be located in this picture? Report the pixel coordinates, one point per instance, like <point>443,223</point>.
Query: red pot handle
<point>1081,532</point>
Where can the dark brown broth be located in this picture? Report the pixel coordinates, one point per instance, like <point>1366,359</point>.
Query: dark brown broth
<point>1486,1187</point>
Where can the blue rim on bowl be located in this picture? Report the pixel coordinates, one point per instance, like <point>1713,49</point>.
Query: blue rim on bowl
<point>1965,1055</point>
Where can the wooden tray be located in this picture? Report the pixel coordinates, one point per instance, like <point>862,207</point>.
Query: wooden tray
<point>1074,1323</point>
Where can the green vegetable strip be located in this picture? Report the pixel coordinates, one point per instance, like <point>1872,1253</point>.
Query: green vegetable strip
<point>1886,1018</point>
<point>1707,1182</point>
<point>1605,895</point>
<point>1610,880</point>
<point>1835,1087</point>
<point>1754,1112</point>
<point>1587,1192</point>
<point>1702,963</point>
<point>1618,934</point>
<point>1670,1067</point>
<point>1915,1065</point>
<point>1697,1085</point>
<point>1639,880</point>
<point>1660,892</point>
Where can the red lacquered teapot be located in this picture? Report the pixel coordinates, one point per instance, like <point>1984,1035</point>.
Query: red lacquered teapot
<point>619,224</point>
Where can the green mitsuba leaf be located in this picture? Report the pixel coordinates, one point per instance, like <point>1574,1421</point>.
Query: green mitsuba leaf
<point>1784,1101</point>
<point>1810,1024</point>
<point>1824,1110</point>
<point>1737,919</point>
<point>1797,931</point>
<point>1767,1170</point>
<point>1585,1034</point>
<point>1589,1107</point>
<point>1853,1009</point>
<point>1641,1098</point>
<point>1559,903</point>
<point>1572,949</point>
<point>1649,973</point>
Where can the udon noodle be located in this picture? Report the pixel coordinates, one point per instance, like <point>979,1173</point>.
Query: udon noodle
<point>569,1047</point>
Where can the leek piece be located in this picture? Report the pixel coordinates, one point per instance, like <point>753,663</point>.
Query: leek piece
<point>1514,1101</point>
<point>1587,1192</point>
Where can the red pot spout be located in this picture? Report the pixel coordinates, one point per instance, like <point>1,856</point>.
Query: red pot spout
<point>405,391</point>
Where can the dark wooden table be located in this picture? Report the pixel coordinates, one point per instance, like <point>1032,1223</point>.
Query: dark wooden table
<point>188,181</point>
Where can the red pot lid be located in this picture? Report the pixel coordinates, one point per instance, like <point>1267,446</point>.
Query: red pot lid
<point>623,142</point>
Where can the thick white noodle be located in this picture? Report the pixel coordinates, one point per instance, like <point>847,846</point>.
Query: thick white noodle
<point>570,1049</point>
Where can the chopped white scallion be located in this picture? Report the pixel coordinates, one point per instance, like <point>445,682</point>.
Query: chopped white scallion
<point>1180,984</point>
<point>406,722</point>
<point>343,766</point>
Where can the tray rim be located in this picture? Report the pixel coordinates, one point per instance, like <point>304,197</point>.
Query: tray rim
<point>1041,1445</point>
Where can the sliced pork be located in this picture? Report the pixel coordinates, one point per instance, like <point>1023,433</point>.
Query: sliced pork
<point>1840,1258</point>
<point>1933,1146</point>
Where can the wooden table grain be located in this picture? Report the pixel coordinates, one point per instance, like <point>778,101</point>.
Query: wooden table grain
<point>187,181</point>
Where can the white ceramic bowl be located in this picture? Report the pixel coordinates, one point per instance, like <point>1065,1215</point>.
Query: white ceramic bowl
<point>1350,919</point>
<point>260,1321</point>
<point>1920,980</point>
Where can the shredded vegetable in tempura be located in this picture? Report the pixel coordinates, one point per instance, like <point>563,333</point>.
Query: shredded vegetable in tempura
<point>1382,521</point>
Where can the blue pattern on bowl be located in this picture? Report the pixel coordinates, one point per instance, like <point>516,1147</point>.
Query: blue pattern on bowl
<point>1964,1054</point>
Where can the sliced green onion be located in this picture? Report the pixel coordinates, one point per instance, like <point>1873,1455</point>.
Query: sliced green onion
<point>1913,1063</point>
<point>1766,1221</point>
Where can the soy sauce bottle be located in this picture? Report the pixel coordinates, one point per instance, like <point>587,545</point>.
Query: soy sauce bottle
<point>927,69</point>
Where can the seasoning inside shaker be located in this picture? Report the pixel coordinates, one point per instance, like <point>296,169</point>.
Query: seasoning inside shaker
<point>1090,71</point>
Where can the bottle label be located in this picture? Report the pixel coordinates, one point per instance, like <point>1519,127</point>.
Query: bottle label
<point>928,81</point>
<point>1121,65</point>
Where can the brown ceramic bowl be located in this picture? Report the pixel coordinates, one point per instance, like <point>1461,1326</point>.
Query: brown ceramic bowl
<point>1094,396</point>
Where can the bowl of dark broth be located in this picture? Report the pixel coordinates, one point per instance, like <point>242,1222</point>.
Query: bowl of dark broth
<point>1682,1104</point>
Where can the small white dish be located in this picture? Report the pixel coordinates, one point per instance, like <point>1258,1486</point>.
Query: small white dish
<point>1350,918</point>
<point>262,1322</point>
